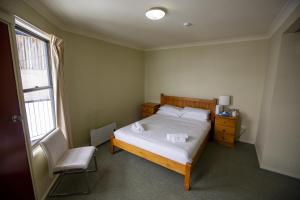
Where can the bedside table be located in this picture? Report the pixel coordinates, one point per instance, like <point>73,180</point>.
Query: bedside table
<point>149,109</point>
<point>225,130</point>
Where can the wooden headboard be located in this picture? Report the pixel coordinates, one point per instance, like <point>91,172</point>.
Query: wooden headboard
<point>209,104</point>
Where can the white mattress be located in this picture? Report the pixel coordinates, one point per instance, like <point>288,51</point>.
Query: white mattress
<point>153,139</point>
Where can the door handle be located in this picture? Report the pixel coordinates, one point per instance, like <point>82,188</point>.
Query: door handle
<point>16,118</point>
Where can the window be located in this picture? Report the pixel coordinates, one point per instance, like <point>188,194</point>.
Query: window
<point>33,53</point>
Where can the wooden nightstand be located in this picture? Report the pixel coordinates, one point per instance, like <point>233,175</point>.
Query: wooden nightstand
<point>149,109</point>
<point>225,130</point>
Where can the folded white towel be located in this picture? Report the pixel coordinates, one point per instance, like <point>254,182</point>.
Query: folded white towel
<point>177,138</point>
<point>137,127</point>
<point>177,135</point>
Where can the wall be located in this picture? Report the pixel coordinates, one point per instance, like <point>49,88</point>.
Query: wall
<point>236,69</point>
<point>278,139</point>
<point>271,71</point>
<point>105,83</point>
<point>282,146</point>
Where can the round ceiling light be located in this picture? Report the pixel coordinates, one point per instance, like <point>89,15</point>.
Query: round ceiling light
<point>187,24</point>
<point>155,13</point>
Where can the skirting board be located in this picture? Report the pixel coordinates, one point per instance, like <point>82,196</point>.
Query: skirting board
<point>262,166</point>
<point>245,141</point>
<point>265,167</point>
<point>257,155</point>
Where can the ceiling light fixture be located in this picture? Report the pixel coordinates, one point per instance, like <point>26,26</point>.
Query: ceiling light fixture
<point>155,13</point>
<point>187,24</point>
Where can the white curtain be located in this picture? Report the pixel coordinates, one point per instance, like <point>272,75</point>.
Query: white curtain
<point>61,107</point>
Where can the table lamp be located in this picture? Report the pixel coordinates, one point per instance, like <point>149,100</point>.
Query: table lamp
<point>223,101</point>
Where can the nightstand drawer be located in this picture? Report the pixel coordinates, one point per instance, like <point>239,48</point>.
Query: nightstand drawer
<point>146,114</point>
<point>225,122</point>
<point>147,109</point>
<point>225,129</point>
<point>228,139</point>
<point>220,136</point>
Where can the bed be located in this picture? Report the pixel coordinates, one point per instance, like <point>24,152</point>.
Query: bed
<point>153,146</point>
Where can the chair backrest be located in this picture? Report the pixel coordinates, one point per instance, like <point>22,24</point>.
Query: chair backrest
<point>54,145</point>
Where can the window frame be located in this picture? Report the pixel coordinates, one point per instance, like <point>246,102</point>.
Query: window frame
<point>29,31</point>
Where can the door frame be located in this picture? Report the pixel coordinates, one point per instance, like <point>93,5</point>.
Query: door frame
<point>10,21</point>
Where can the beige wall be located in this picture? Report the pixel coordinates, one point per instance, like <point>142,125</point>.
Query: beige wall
<point>105,83</point>
<point>235,69</point>
<point>282,146</point>
<point>278,138</point>
<point>271,71</point>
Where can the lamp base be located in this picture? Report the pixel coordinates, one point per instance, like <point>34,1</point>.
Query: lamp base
<point>219,109</point>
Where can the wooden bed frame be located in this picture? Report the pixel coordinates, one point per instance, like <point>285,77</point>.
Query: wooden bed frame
<point>186,169</point>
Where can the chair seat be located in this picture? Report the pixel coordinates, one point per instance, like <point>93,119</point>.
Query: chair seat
<point>75,159</point>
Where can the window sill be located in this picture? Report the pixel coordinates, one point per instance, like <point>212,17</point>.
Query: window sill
<point>36,142</point>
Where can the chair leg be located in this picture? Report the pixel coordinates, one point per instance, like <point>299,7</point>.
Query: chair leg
<point>95,161</point>
<point>87,181</point>
<point>60,178</point>
<point>52,193</point>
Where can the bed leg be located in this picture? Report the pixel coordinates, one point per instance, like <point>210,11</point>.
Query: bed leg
<point>187,177</point>
<point>111,146</point>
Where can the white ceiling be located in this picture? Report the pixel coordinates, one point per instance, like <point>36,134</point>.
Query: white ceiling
<point>124,21</point>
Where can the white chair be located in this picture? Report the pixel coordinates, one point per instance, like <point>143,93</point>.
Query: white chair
<point>62,160</point>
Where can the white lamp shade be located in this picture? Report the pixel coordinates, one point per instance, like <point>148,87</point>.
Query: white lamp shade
<point>224,100</point>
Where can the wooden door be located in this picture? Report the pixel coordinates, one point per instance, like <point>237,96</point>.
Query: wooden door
<point>15,178</point>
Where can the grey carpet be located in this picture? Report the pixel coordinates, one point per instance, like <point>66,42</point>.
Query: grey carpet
<point>221,173</point>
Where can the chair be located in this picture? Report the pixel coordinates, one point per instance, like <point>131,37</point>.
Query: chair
<point>63,161</point>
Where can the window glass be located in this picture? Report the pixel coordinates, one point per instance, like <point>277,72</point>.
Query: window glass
<point>39,112</point>
<point>33,61</point>
<point>36,82</point>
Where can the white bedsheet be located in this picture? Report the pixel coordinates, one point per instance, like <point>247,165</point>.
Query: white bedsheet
<point>154,138</point>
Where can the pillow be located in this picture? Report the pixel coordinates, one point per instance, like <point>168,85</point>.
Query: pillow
<point>169,107</point>
<point>176,111</point>
<point>190,109</point>
<point>167,112</point>
<point>195,114</point>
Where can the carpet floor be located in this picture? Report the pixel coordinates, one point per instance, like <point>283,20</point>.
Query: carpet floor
<point>221,173</point>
